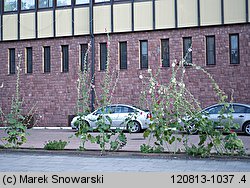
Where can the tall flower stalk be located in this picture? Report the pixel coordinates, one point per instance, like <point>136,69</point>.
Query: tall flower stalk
<point>14,121</point>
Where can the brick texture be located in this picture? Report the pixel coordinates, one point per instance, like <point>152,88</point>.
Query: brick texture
<point>55,93</point>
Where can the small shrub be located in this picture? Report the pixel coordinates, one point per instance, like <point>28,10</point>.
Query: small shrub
<point>149,149</point>
<point>55,145</point>
<point>202,151</point>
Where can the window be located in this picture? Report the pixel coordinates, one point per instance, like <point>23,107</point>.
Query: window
<point>29,60</point>
<point>234,49</point>
<point>45,3</point>
<point>65,58</point>
<point>144,54</point>
<point>123,55</point>
<point>63,2</point>
<point>214,110</point>
<point>101,1</point>
<point>12,63</point>
<point>165,52</point>
<point>240,109</point>
<point>210,50</point>
<point>27,4</point>
<point>103,56</point>
<point>84,57</point>
<point>10,5</point>
<point>80,2</point>
<point>46,59</point>
<point>187,52</point>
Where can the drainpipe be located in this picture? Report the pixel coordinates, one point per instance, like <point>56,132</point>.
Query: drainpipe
<point>91,27</point>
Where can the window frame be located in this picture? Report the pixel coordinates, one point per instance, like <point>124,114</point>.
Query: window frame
<point>83,55</point>
<point>238,48</point>
<point>12,60</point>
<point>142,66</point>
<point>3,4</point>
<point>48,7</point>
<point>29,60</point>
<point>65,58</point>
<point>77,4</point>
<point>103,62</point>
<point>185,51</point>
<point>207,50</point>
<point>46,60</point>
<point>21,8</point>
<point>122,65</point>
<point>162,53</point>
<point>63,5</point>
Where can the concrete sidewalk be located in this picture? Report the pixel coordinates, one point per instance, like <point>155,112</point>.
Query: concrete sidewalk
<point>37,138</point>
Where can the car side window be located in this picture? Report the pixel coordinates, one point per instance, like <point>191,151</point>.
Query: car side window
<point>248,110</point>
<point>214,110</point>
<point>118,109</point>
<point>110,109</point>
<point>239,109</point>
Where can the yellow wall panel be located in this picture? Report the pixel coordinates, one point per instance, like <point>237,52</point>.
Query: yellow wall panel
<point>143,17</point>
<point>122,17</point>
<point>164,14</point>
<point>102,19</point>
<point>45,24</point>
<point>81,21</point>
<point>234,11</point>
<point>10,27</point>
<point>187,13</point>
<point>64,22</point>
<point>210,12</point>
<point>27,26</point>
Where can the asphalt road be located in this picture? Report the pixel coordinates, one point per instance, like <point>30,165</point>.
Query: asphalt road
<point>54,162</point>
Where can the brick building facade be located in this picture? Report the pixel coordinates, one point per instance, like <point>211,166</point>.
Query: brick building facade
<point>55,91</point>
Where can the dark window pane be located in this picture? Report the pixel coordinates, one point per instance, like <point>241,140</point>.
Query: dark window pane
<point>10,5</point>
<point>234,49</point>
<point>84,57</point>
<point>103,56</point>
<point>123,55</point>
<point>187,44</point>
<point>27,4</point>
<point>144,54</point>
<point>65,58</point>
<point>12,63</point>
<point>165,52</point>
<point>46,59</point>
<point>214,110</point>
<point>239,109</point>
<point>210,45</point>
<point>29,59</point>
<point>45,3</point>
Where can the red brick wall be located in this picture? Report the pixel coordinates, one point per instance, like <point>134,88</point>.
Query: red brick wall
<point>55,92</point>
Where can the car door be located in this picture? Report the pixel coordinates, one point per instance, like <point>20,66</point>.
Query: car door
<point>239,114</point>
<point>213,113</point>
<point>110,115</point>
<point>123,113</point>
<point>103,111</point>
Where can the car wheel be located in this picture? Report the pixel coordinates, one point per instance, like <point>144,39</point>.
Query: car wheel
<point>134,126</point>
<point>247,128</point>
<point>191,129</point>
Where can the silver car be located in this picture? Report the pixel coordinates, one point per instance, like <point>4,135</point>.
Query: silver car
<point>118,116</point>
<point>240,115</point>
